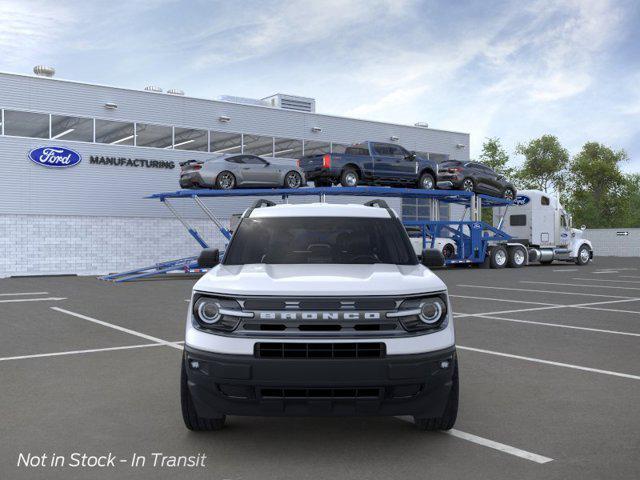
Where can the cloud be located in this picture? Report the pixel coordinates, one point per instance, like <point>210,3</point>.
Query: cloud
<point>31,29</point>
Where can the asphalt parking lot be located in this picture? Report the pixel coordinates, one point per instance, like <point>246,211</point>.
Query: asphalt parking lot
<point>549,371</point>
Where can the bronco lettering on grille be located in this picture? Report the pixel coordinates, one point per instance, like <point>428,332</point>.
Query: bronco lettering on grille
<point>319,315</point>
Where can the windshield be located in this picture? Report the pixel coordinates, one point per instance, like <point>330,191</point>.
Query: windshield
<point>344,240</point>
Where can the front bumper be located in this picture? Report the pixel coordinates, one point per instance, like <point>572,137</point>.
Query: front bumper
<point>246,385</point>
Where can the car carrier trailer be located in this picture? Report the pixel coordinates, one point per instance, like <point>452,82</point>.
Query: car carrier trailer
<point>476,242</point>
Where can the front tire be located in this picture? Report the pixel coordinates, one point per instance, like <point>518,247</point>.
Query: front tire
<point>225,180</point>
<point>191,418</point>
<point>448,418</point>
<point>584,255</point>
<point>293,180</point>
<point>349,178</point>
<point>426,182</point>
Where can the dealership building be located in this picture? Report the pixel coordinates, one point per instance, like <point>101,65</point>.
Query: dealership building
<point>93,218</point>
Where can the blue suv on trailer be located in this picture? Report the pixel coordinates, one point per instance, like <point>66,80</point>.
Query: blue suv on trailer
<point>372,163</point>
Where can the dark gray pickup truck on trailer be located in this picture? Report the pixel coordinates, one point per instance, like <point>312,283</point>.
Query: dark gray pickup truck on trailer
<point>371,163</point>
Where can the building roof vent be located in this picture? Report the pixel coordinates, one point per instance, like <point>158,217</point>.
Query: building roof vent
<point>153,88</point>
<point>422,124</point>
<point>291,102</point>
<point>44,71</point>
<point>175,91</point>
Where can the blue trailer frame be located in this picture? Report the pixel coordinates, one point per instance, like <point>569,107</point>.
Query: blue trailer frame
<point>472,237</point>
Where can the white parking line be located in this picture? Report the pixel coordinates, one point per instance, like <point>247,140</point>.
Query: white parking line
<point>605,280</point>
<point>76,352</point>
<point>19,300</point>
<point>567,270</point>
<point>502,300</point>
<point>552,307</point>
<point>485,442</point>
<point>119,328</point>
<point>79,352</point>
<point>579,285</point>
<point>23,293</point>
<point>559,325</point>
<point>629,276</point>
<point>548,362</point>
<point>544,291</point>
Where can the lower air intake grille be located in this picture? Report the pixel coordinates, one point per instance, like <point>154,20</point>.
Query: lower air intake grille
<point>330,393</point>
<point>320,350</point>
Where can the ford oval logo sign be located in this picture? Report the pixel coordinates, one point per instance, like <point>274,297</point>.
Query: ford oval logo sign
<point>55,157</point>
<point>521,200</point>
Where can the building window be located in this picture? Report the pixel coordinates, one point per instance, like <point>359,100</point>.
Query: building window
<point>420,209</point>
<point>26,124</point>
<point>287,148</point>
<point>190,139</point>
<point>157,136</point>
<point>258,145</point>
<point>222,142</point>
<point>114,133</point>
<point>316,148</point>
<point>338,147</point>
<point>71,128</point>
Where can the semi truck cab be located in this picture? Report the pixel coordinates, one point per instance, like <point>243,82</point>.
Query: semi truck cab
<point>539,221</point>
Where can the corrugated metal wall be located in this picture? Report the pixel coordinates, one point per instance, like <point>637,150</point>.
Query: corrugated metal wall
<point>615,242</point>
<point>102,190</point>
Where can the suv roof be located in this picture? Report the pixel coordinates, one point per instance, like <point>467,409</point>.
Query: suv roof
<point>320,210</point>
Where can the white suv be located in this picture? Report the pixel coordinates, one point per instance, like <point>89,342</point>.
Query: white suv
<point>319,309</point>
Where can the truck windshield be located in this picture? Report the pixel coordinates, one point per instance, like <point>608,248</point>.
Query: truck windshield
<point>343,240</point>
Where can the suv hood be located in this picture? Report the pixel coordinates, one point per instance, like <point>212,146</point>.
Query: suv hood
<point>320,279</point>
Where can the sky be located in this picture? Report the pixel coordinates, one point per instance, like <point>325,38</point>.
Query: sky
<point>514,70</point>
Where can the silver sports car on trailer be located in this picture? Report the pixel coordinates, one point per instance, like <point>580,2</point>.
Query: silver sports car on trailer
<point>236,171</point>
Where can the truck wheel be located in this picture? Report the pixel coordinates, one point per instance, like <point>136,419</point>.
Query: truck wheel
<point>427,182</point>
<point>584,255</point>
<point>191,419</point>
<point>349,178</point>
<point>448,418</point>
<point>517,257</point>
<point>499,257</point>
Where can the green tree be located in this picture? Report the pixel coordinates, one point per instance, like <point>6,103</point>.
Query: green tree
<point>545,164</point>
<point>599,193</point>
<point>495,156</point>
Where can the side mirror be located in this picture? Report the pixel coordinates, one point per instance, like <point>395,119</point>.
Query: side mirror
<point>583,227</point>
<point>432,258</point>
<point>209,258</point>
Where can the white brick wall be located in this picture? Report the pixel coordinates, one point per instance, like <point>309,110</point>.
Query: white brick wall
<point>48,245</point>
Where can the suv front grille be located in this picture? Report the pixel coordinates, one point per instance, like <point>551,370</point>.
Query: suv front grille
<point>320,350</point>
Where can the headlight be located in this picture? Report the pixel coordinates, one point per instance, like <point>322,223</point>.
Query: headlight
<point>208,310</point>
<point>214,313</point>
<point>427,313</point>
<point>431,310</point>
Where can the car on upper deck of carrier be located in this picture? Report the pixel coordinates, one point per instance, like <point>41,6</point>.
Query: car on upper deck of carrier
<point>371,163</point>
<point>236,171</point>
<point>319,309</point>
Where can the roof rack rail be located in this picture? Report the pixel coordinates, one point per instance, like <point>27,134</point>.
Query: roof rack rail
<point>382,204</point>
<point>258,204</point>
